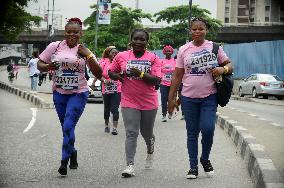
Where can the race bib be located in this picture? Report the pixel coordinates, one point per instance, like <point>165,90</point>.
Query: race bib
<point>67,80</point>
<point>201,63</point>
<point>167,77</point>
<point>111,88</point>
<point>142,65</point>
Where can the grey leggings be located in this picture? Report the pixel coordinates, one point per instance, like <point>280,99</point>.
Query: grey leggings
<point>133,120</point>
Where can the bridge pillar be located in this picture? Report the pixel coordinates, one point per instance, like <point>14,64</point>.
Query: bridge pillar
<point>24,52</point>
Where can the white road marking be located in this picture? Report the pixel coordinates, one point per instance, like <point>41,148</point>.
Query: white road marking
<point>263,119</point>
<point>275,124</point>
<point>240,110</point>
<point>33,120</point>
<point>253,115</point>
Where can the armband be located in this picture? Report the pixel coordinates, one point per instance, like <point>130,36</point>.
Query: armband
<point>142,74</point>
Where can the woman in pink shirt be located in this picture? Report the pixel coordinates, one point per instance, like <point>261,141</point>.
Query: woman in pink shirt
<point>16,70</point>
<point>197,67</point>
<point>70,90</point>
<point>139,100</point>
<point>111,90</point>
<point>168,67</point>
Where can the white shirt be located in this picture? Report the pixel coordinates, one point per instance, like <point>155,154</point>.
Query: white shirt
<point>33,66</point>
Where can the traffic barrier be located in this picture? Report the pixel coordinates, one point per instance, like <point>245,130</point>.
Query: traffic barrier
<point>29,96</point>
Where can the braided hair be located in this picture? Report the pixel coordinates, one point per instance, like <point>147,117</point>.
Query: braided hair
<point>140,30</point>
<point>195,19</point>
<point>74,21</point>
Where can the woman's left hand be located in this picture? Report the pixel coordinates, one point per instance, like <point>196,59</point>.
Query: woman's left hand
<point>135,72</point>
<point>83,51</point>
<point>217,71</point>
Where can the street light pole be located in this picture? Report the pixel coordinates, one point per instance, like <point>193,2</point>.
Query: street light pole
<point>97,26</point>
<point>137,4</point>
<point>189,17</point>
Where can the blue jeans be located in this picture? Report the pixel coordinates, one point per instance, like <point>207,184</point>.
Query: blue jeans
<point>164,98</point>
<point>200,115</point>
<point>33,83</point>
<point>69,108</point>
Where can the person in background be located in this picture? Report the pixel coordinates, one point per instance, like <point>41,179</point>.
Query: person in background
<point>139,99</point>
<point>111,90</point>
<point>70,90</point>
<point>42,77</point>
<point>16,70</point>
<point>33,71</point>
<point>50,74</point>
<point>196,68</point>
<point>168,67</point>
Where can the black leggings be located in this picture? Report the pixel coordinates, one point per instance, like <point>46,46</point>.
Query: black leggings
<point>111,104</point>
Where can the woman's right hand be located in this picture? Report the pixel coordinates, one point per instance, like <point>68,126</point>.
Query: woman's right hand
<point>171,106</point>
<point>53,66</point>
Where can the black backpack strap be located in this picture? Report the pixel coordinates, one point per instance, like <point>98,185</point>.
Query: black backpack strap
<point>215,48</point>
<point>57,47</point>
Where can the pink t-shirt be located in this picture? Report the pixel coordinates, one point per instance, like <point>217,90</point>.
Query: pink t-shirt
<point>70,77</point>
<point>197,81</point>
<point>136,93</point>
<point>115,86</point>
<point>168,68</point>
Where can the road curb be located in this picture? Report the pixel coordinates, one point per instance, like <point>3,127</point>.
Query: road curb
<point>33,98</point>
<point>260,167</point>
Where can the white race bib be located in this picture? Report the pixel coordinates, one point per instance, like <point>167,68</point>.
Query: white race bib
<point>142,65</point>
<point>111,88</point>
<point>67,80</point>
<point>167,77</point>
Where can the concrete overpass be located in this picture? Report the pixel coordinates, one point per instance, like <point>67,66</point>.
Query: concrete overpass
<point>227,35</point>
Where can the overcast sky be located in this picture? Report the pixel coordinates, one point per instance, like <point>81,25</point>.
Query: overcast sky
<point>81,8</point>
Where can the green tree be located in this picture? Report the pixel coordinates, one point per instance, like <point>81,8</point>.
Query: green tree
<point>14,19</point>
<point>123,21</point>
<point>177,33</point>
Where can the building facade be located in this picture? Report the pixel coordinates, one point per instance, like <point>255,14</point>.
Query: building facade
<point>250,12</point>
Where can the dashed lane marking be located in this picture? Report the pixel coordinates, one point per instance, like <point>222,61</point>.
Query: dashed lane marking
<point>263,119</point>
<point>253,115</point>
<point>275,124</point>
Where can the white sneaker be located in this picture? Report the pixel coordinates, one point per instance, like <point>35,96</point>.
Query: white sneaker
<point>128,172</point>
<point>164,119</point>
<point>149,161</point>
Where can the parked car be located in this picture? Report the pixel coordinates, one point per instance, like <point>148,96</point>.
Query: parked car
<point>262,85</point>
<point>95,91</point>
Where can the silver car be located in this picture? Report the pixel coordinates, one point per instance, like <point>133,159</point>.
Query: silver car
<point>95,91</point>
<point>262,85</point>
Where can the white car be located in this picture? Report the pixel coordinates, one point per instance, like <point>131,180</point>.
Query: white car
<point>95,91</point>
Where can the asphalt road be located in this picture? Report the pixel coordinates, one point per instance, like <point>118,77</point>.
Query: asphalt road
<point>274,114</point>
<point>31,158</point>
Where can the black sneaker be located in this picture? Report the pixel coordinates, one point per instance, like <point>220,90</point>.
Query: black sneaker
<point>209,171</point>
<point>107,130</point>
<point>192,174</point>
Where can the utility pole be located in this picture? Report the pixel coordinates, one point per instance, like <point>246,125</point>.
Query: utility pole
<point>52,13</point>
<point>47,15</point>
<point>189,17</point>
<point>97,26</point>
<point>137,4</point>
